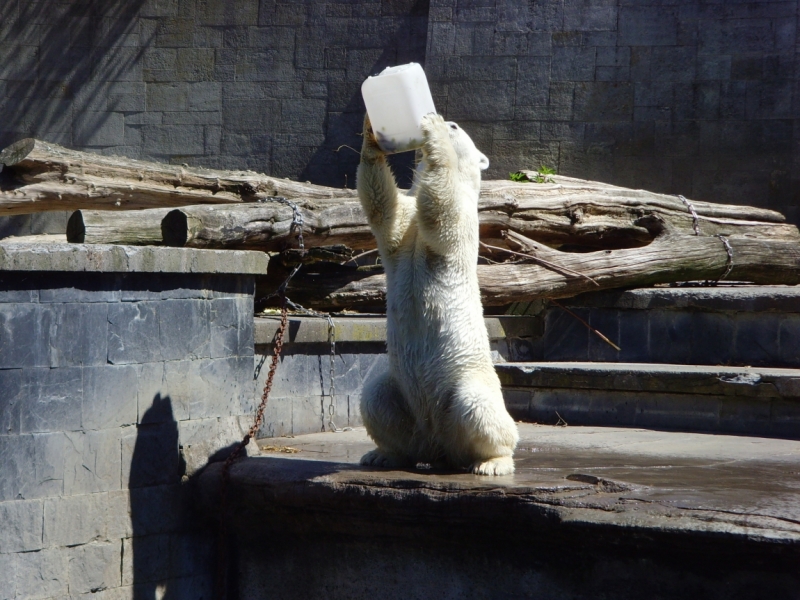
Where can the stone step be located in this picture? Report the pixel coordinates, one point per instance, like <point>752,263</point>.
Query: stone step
<point>743,400</point>
<point>590,513</point>
<point>726,325</point>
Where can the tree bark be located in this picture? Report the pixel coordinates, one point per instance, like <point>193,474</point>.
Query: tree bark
<point>38,176</point>
<point>672,257</point>
<point>576,218</point>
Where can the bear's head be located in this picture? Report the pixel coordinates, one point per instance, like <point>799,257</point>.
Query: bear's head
<point>471,161</point>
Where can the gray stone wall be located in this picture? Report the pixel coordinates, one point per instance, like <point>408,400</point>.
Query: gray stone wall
<point>683,97</point>
<point>755,326</point>
<point>686,96</point>
<point>114,390</point>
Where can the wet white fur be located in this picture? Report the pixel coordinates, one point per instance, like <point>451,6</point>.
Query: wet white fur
<point>439,401</point>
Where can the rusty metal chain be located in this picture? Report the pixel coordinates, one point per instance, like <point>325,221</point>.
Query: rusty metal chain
<point>221,583</point>
<point>222,544</point>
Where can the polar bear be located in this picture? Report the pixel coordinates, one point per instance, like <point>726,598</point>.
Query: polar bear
<point>439,401</point>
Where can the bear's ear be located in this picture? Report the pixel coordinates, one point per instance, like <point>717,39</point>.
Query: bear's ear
<point>483,162</point>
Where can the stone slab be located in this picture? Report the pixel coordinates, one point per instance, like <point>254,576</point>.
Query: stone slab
<point>738,400</point>
<point>738,298</point>
<point>652,492</point>
<point>27,255</point>
<point>644,377</point>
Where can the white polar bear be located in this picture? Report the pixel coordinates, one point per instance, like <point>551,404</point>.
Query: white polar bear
<point>440,401</point>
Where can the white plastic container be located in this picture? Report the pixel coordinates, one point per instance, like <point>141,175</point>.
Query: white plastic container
<point>396,101</point>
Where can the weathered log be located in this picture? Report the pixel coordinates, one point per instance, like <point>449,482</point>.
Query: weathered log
<point>672,257</point>
<point>268,225</point>
<point>39,176</point>
<point>585,218</point>
<point>129,227</point>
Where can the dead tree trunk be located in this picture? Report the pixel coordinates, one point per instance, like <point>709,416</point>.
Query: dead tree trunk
<point>672,257</point>
<point>38,176</point>
<point>581,219</point>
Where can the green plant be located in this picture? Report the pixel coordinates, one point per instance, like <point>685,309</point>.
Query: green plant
<point>543,176</point>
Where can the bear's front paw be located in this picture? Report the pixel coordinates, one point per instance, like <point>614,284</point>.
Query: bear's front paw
<point>378,458</point>
<point>370,150</point>
<point>431,122</point>
<point>502,465</point>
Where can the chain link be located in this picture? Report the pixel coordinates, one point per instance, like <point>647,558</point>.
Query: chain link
<point>332,406</point>
<point>297,225</point>
<point>332,364</point>
<point>297,217</point>
<point>222,560</point>
<point>693,212</point>
<point>729,262</point>
<point>221,583</point>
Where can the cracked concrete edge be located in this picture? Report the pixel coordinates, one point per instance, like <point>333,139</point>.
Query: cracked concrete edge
<point>312,483</point>
<point>106,258</point>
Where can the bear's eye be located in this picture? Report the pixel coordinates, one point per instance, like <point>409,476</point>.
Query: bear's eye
<point>453,126</point>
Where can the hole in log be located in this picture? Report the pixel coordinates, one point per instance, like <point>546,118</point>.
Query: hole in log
<point>76,228</point>
<point>586,239</point>
<point>175,228</point>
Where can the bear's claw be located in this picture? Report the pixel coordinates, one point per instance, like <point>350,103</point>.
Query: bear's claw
<point>502,465</point>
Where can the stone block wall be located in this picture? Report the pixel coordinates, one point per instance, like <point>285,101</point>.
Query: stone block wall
<point>300,401</point>
<point>685,96</point>
<point>755,326</point>
<point>114,390</point>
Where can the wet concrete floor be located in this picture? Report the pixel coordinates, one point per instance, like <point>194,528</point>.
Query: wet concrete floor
<point>730,480</point>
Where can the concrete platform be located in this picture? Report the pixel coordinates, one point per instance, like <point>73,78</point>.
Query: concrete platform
<point>740,400</point>
<point>591,512</point>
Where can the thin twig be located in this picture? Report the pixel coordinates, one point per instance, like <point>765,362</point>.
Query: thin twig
<point>348,147</point>
<point>357,256</point>
<point>592,329</point>
<point>544,263</point>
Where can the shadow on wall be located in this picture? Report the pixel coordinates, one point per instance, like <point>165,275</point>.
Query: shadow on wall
<point>172,550</point>
<point>156,501</point>
<point>65,66</point>
<point>334,163</point>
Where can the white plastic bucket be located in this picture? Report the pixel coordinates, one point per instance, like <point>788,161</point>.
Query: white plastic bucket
<point>396,101</point>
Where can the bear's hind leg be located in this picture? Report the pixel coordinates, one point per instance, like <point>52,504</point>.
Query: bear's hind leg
<point>388,423</point>
<point>481,434</point>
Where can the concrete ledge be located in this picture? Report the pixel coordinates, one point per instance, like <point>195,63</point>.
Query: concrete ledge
<point>743,400</point>
<point>640,377</point>
<point>353,328</point>
<point>651,505</point>
<point>26,255</point>
<point>738,298</point>
<point>578,472</point>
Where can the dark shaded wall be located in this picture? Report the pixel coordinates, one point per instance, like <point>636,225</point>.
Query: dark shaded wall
<point>681,96</point>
